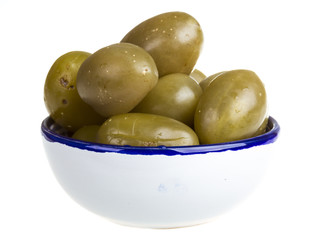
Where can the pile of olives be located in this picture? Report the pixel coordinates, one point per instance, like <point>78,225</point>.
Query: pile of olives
<point>144,91</point>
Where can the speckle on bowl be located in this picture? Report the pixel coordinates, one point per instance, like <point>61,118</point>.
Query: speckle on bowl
<point>158,187</point>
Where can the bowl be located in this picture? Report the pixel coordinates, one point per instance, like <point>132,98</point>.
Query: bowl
<point>158,187</point>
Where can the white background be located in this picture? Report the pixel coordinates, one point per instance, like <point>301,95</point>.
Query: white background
<point>268,37</point>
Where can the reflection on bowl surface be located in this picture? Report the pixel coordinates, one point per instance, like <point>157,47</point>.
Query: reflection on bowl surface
<point>158,187</point>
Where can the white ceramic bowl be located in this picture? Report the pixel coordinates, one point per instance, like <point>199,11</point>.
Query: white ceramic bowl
<point>158,187</point>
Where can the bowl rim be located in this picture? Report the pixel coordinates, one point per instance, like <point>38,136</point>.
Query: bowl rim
<point>270,136</point>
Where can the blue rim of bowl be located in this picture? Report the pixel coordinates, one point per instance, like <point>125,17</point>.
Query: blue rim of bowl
<point>270,136</point>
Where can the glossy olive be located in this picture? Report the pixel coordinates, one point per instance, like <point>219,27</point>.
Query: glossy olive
<point>263,128</point>
<point>173,39</point>
<point>87,133</point>
<point>197,75</point>
<point>232,107</point>
<point>61,98</point>
<point>141,129</point>
<point>116,78</point>
<point>176,96</point>
<point>205,83</point>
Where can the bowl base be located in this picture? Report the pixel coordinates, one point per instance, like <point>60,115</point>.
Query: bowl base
<point>164,226</point>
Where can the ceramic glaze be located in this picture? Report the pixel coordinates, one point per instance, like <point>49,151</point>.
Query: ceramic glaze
<point>161,187</point>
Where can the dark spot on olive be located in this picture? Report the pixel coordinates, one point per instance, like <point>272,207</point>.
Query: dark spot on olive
<point>64,101</point>
<point>71,87</point>
<point>64,82</point>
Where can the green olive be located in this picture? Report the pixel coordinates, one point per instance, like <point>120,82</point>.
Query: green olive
<point>232,107</point>
<point>61,98</point>
<point>142,129</point>
<point>173,39</point>
<point>87,133</point>
<point>197,75</point>
<point>116,78</point>
<point>205,83</point>
<point>175,95</point>
<point>263,128</point>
